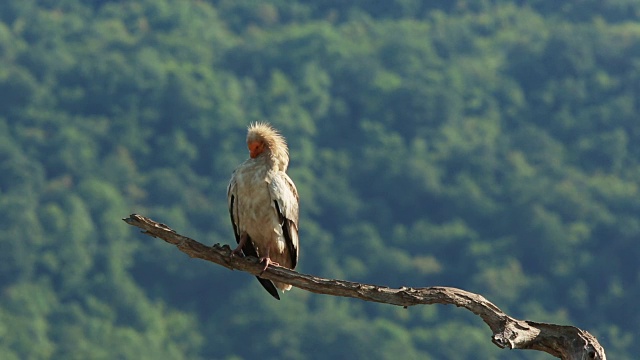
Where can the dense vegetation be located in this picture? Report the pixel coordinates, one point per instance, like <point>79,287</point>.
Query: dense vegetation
<point>488,145</point>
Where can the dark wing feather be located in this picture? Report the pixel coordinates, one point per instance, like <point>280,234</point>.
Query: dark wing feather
<point>290,233</point>
<point>232,200</point>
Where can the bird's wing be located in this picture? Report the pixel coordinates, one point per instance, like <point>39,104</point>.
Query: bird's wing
<point>248,249</point>
<point>285,198</point>
<point>233,205</point>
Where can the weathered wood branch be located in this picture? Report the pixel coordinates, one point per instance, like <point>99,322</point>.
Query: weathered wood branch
<point>561,341</point>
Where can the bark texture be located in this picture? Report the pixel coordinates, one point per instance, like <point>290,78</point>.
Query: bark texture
<point>562,341</point>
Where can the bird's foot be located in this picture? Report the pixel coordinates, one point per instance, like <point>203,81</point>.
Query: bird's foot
<point>238,250</point>
<point>267,261</point>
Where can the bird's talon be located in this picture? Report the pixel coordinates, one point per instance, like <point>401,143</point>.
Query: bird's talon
<point>267,261</point>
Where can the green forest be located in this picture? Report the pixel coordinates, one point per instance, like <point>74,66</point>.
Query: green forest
<point>489,145</point>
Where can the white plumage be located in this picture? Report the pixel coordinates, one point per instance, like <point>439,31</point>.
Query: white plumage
<point>263,203</point>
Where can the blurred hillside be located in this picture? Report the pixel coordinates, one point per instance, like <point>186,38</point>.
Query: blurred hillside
<point>488,145</point>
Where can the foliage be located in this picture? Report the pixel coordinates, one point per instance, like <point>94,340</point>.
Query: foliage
<point>488,145</point>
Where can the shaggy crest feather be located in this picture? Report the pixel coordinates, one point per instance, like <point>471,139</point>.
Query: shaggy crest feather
<point>275,143</point>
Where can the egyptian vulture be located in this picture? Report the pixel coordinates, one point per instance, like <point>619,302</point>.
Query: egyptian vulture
<point>263,203</point>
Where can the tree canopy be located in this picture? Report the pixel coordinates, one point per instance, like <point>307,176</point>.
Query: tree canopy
<point>489,145</point>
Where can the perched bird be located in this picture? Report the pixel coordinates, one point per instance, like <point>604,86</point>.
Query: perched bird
<point>263,203</point>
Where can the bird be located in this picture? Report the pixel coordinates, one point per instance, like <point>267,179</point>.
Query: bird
<point>263,204</point>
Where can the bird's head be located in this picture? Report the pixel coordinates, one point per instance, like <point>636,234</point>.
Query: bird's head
<point>256,147</point>
<point>262,138</point>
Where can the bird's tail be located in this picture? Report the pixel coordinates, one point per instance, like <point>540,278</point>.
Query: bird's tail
<point>270,287</point>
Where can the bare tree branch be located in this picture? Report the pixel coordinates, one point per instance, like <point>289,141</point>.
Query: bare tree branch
<point>564,342</point>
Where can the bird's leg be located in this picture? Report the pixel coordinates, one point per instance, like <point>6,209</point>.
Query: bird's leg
<point>267,261</point>
<point>238,249</point>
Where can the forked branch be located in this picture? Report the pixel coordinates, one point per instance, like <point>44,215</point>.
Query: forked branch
<point>561,341</point>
